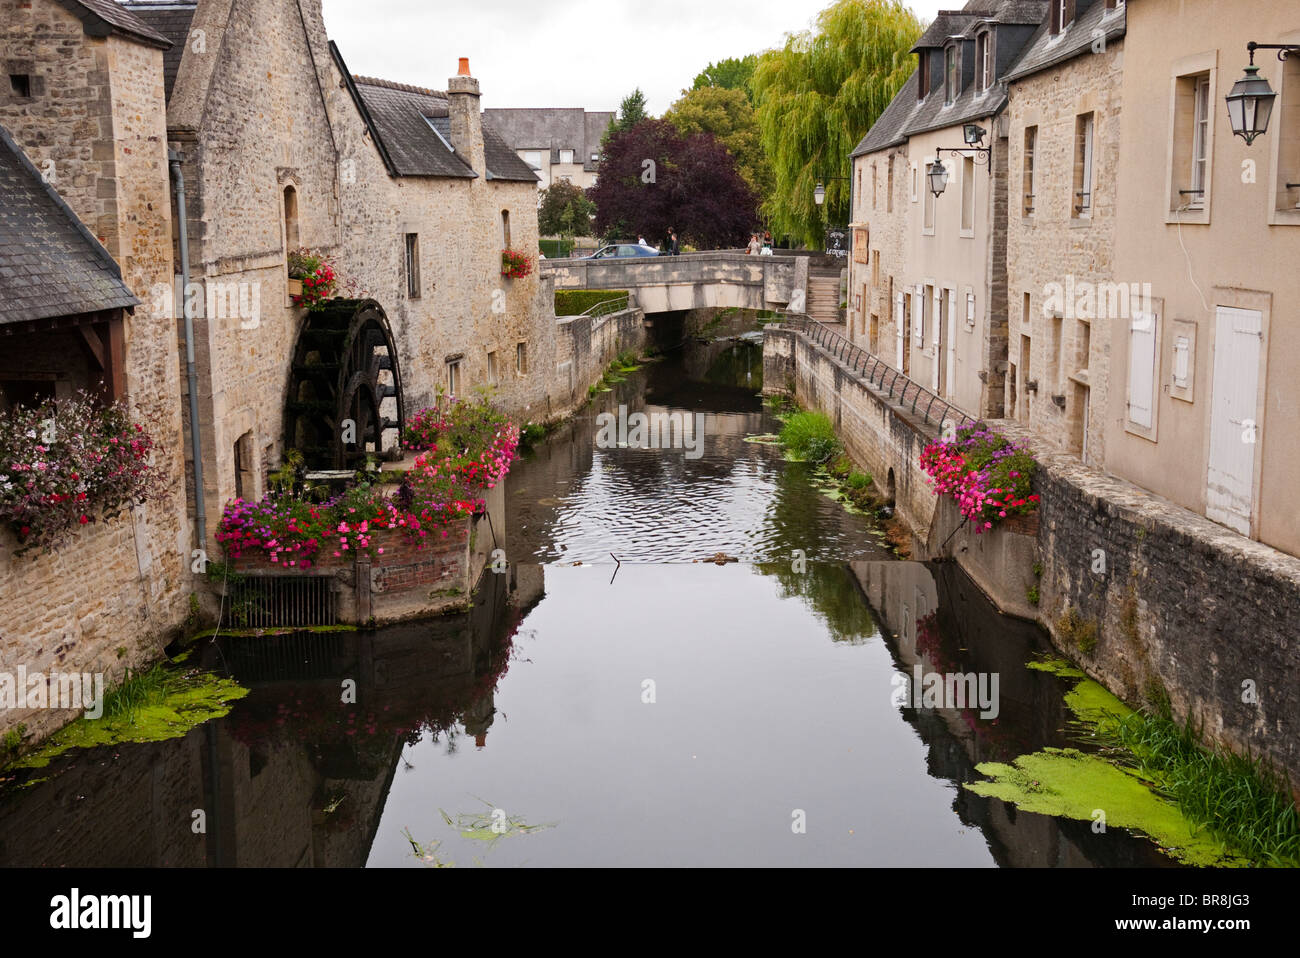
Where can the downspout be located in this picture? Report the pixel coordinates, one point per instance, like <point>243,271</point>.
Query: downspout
<point>196,446</point>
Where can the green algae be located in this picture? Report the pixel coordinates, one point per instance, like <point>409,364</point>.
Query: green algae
<point>1059,667</point>
<point>191,698</point>
<point>1067,783</point>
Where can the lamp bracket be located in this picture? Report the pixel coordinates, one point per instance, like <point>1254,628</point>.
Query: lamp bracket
<point>1284,50</point>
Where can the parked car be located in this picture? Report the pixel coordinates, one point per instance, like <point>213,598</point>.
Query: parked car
<point>623,251</point>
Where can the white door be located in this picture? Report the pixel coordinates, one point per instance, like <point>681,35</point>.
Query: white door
<point>950,347</point>
<point>898,331</point>
<point>1230,481</point>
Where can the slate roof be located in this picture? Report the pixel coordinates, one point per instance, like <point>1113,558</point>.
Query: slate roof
<point>552,130</point>
<point>907,116</point>
<point>1044,50</point>
<point>172,20</point>
<point>50,264</point>
<point>412,130</point>
<point>103,17</point>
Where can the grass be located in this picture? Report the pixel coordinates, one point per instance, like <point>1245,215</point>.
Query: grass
<point>1239,799</point>
<point>139,691</point>
<point>810,436</point>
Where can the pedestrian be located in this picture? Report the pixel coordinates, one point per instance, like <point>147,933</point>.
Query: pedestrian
<point>754,245</point>
<point>640,239</point>
<point>674,247</point>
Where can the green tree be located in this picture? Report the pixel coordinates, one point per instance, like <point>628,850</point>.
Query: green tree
<point>726,114</point>
<point>729,74</point>
<point>818,96</point>
<point>630,112</point>
<point>565,211</point>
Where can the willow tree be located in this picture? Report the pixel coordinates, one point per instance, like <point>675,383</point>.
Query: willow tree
<point>817,96</point>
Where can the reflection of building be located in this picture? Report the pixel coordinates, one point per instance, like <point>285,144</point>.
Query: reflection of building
<point>293,776</point>
<point>560,144</point>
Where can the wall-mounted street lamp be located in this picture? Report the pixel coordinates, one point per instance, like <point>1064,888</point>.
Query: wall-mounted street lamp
<point>819,194</point>
<point>1250,104</point>
<point>973,134</point>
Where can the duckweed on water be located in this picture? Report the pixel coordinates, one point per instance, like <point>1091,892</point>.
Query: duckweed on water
<point>158,705</point>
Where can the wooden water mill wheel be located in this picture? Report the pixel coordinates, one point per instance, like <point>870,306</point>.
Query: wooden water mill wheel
<point>344,369</point>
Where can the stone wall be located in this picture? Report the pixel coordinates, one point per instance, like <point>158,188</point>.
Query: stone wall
<point>1069,354</point>
<point>585,347</point>
<point>1154,601</point>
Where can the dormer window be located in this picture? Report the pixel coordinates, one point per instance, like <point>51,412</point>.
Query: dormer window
<point>1062,15</point>
<point>984,61</point>
<point>951,82</point>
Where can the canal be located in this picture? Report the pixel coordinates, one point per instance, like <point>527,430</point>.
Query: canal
<point>612,699</point>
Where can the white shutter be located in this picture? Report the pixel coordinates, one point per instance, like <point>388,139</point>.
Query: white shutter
<point>918,320</point>
<point>898,331</point>
<point>1141,369</point>
<point>1182,361</point>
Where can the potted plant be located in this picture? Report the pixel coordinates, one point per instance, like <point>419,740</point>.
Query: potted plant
<point>515,264</point>
<point>311,278</point>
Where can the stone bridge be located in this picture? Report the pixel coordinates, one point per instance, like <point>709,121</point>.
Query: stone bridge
<point>691,281</point>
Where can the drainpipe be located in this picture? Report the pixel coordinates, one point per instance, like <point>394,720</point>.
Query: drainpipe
<point>196,446</point>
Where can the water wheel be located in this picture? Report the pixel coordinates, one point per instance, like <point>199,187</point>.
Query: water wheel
<point>345,387</point>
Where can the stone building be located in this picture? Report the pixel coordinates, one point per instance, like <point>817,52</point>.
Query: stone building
<point>1062,278</point>
<point>935,299</point>
<point>1203,398</point>
<point>85,234</point>
<point>560,144</point>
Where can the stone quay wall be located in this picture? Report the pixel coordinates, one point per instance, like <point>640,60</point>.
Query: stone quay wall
<point>1159,604</point>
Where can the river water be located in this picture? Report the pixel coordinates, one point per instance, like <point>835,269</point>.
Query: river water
<point>611,699</point>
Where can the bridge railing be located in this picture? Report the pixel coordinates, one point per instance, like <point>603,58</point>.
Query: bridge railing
<point>608,306</point>
<point>900,389</point>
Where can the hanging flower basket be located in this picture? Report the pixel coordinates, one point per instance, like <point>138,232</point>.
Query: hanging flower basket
<point>515,264</point>
<point>314,278</point>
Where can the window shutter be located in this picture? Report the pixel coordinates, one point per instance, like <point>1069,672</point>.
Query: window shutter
<point>1141,369</point>
<point>898,330</point>
<point>1182,361</point>
<point>918,320</point>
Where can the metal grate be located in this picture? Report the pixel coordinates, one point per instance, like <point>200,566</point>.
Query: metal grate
<point>281,601</point>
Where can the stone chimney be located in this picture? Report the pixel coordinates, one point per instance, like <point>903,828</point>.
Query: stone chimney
<point>466,122</point>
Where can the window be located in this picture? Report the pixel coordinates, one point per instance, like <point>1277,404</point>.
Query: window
<point>1024,310</point>
<point>913,182</point>
<point>922,74</point>
<point>1200,142</point>
<point>1142,370</point>
<point>453,377</point>
<point>244,481</point>
<point>1083,126</point>
<point>21,84</point>
<point>492,367</point>
<point>1082,347</point>
<point>566,156</point>
<point>874,186</point>
<point>1062,15</point>
<point>927,224</point>
<point>505,229</point>
<point>1183,367</point>
<point>1286,120</point>
<point>1055,347</point>
<point>984,60</point>
<point>1027,174</point>
<point>951,79</point>
<point>413,265</point>
<point>521,359</point>
<point>595,157</point>
<point>889,194</point>
<point>968,195</point>
<point>291,240</point>
<point>534,158</point>
<point>970,310</point>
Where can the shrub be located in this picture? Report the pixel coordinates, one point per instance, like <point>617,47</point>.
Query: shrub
<point>810,436</point>
<point>988,476</point>
<point>858,480</point>
<point>575,302</point>
<point>68,463</point>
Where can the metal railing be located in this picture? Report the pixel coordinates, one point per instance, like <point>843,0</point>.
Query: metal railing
<point>605,307</point>
<point>879,374</point>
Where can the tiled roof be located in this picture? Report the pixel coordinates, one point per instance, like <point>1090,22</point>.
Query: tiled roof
<point>1045,50</point>
<point>102,17</point>
<point>413,124</point>
<point>171,20</point>
<point>552,129</point>
<point>50,264</point>
<point>907,116</point>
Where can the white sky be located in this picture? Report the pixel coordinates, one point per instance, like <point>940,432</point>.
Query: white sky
<point>565,53</point>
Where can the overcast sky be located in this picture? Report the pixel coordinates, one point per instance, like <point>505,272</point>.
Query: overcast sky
<point>565,53</point>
